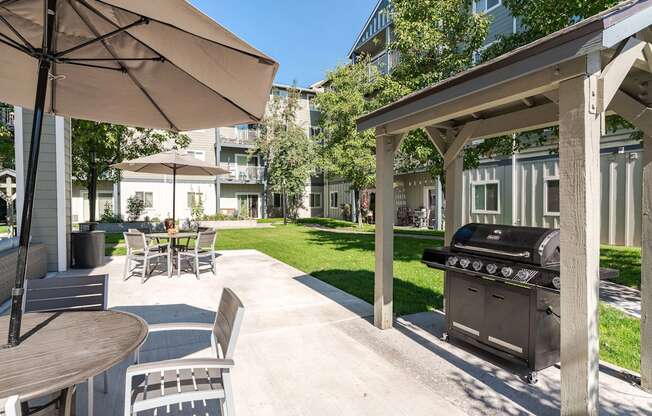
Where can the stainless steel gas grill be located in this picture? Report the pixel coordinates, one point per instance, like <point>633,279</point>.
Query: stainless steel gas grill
<point>502,291</point>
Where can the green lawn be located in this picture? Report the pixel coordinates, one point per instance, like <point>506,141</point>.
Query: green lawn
<point>368,228</point>
<point>4,229</point>
<point>346,261</point>
<point>625,259</point>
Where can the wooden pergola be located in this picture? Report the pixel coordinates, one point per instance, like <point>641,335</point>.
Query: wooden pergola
<point>572,78</point>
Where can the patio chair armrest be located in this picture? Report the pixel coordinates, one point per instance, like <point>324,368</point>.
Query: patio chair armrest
<point>138,369</point>
<point>181,326</point>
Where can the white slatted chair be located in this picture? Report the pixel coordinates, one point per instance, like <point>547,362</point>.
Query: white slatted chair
<point>204,248</point>
<point>139,250</point>
<point>64,294</point>
<point>162,383</point>
<point>11,406</point>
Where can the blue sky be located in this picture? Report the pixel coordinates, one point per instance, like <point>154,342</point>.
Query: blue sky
<point>307,37</point>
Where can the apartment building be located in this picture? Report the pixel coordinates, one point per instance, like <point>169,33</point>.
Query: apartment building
<point>522,189</point>
<point>242,192</point>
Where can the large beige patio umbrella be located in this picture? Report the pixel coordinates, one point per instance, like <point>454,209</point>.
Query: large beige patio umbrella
<point>157,64</point>
<point>171,162</point>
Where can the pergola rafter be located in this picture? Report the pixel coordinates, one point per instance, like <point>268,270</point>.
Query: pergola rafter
<point>572,79</point>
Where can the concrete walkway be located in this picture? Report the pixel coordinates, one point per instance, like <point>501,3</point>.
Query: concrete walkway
<point>308,348</point>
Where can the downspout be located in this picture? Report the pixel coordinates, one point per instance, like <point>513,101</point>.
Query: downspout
<point>218,190</point>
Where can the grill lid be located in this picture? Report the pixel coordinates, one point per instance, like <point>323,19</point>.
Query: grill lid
<point>531,245</point>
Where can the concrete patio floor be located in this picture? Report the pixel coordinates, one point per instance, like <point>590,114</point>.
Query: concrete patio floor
<point>307,348</point>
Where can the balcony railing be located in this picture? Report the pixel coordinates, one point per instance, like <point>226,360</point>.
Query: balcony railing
<point>242,173</point>
<point>241,137</point>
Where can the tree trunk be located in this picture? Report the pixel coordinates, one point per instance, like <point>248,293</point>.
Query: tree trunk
<point>358,203</point>
<point>284,203</point>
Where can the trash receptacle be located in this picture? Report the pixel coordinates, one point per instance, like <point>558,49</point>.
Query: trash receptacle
<point>87,249</point>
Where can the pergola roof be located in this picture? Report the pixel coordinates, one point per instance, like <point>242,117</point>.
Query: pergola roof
<point>605,32</point>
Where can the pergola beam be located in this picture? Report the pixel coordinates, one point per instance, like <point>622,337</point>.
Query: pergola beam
<point>437,138</point>
<point>545,115</point>
<point>462,138</point>
<point>613,75</point>
<point>514,90</point>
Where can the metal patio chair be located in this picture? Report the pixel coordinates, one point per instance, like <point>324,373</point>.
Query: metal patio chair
<point>204,248</point>
<point>11,406</point>
<point>65,294</point>
<point>139,250</point>
<point>162,383</point>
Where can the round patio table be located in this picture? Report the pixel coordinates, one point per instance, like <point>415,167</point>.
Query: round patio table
<point>62,349</point>
<point>174,238</point>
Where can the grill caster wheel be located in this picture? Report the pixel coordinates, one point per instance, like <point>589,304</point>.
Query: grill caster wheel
<point>532,378</point>
<point>445,337</point>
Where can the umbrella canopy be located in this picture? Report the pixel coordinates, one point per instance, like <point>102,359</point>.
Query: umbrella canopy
<point>156,64</point>
<point>172,161</point>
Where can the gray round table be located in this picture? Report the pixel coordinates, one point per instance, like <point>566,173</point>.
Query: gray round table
<point>60,350</point>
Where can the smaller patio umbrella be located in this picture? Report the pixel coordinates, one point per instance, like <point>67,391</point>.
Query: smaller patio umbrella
<point>171,162</point>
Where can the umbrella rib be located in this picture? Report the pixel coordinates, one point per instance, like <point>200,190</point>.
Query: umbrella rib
<point>92,66</point>
<point>17,33</point>
<point>253,117</point>
<point>131,76</point>
<point>261,59</point>
<point>10,42</point>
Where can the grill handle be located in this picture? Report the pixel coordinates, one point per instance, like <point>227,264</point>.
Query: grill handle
<point>522,254</point>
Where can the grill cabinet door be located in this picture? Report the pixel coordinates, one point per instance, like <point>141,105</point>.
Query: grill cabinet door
<point>465,303</point>
<point>507,319</point>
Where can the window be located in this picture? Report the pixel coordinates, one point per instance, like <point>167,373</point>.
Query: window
<point>551,197</point>
<point>480,6</point>
<point>315,131</point>
<point>194,198</point>
<point>485,197</point>
<point>147,198</point>
<point>197,154</point>
<point>280,93</point>
<point>311,103</point>
<point>276,200</point>
<point>315,200</point>
<point>333,196</point>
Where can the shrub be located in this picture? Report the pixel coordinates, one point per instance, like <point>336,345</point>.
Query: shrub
<point>135,208</point>
<point>108,215</point>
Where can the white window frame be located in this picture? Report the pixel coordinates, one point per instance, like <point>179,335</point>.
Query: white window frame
<point>485,211</point>
<point>196,153</point>
<point>487,10</point>
<point>195,193</point>
<point>83,194</point>
<point>145,192</point>
<point>547,213</point>
<point>320,200</point>
<point>280,200</point>
<point>330,200</point>
<point>258,205</point>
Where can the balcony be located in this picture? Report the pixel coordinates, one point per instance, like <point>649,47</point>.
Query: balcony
<point>242,173</point>
<point>238,137</point>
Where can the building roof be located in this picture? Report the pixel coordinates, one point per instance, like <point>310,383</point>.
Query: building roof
<point>288,87</point>
<point>601,32</point>
<point>364,28</point>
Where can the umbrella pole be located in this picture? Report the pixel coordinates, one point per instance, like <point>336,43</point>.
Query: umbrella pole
<point>44,66</point>
<point>174,195</point>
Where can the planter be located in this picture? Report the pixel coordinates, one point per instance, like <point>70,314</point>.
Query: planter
<point>229,224</point>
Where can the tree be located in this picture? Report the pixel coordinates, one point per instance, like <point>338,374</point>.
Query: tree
<point>352,91</point>
<point>288,152</point>
<point>435,40</point>
<point>96,146</point>
<point>7,150</point>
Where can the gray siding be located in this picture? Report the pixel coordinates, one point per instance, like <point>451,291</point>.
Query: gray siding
<point>344,196</point>
<point>502,23</point>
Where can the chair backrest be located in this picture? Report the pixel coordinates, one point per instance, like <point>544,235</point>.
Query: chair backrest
<point>79,293</point>
<point>206,239</point>
<point>228,322</point>
<point>135,240</point>
<point>10,406</point>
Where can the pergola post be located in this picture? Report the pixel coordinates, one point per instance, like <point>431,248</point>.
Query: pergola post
<point>454,190</point>
<point>646,267</point>
<point>384,273</point>
<point>579,155</point>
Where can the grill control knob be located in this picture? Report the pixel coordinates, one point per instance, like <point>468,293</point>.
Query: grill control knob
<point>522,275</point>
<point>507,271</point>
<point>477,265</point>
<point>491,268</point>
<point>465,263</point>
<point>556,282</point>
<point>452,261</point>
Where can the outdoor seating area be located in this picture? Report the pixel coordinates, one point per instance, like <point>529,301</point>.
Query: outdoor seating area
<point>434,293</point>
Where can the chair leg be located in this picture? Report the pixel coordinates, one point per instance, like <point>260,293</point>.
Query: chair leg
<point>90,396</point>
<point>106,382</point>
<point>228,393</point>
<point>213,264</point>
<point>179,264</point>
<point>145,267</point>
<point>127,261</point>
<point>169,257</point>
<point>197,267</point>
